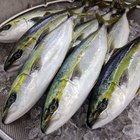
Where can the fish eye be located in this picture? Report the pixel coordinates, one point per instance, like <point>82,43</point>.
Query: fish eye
<point>102,105</point>
<point>18,54</point>
<point>6,27</point>
<point>53,106</point>
<point>11,99</point>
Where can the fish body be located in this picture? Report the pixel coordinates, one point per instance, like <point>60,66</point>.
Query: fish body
<point>74,81</point>
<point>118,35</point>
<point>116,87</point>
<point>27,42</point>
<point>84,30</point>
<point>38,72</point>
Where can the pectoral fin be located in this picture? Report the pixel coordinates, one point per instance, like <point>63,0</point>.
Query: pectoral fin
<point>77,72</point>
<point>42,36</point>
<point>124,78</point>
<point>36,66</point>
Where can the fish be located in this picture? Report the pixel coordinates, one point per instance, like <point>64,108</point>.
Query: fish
<point>118,35</point>
<point>38,71</point>
<point>74,81</point>
<point>26,43</point>
<point>116,86</point>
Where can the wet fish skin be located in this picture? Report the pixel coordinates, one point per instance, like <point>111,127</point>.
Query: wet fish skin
<point>14,29</point>
<point>33,80</point>
<point>68,90</point>
<point>113,90</point>
<point>83,30</point>
<point>118,36</point>
<point>27,42</point>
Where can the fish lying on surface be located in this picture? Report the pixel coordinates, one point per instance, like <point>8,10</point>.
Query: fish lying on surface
<point>74,81</point>
<point>117,85</point>
<point>38,71</point>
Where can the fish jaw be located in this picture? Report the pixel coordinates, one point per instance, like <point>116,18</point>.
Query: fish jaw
<point>12,114</point>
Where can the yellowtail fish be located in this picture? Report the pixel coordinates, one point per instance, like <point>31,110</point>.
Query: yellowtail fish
<point>38,72</point>
<point>74,81</point>
<point>117,85</point>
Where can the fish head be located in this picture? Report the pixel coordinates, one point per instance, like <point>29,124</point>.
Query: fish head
<point>47,114</point>
<point>13,57</point>
<point>7,108</point>
<point>7,32</point>
<point>97,106</point>
<point>13,30</point>
<point>5,28</point>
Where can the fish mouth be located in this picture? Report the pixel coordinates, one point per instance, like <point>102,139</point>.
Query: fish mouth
<point>7,65</point>
<point>4,115</point>
<point>44,126</point>
<point>45,123</point>
<point>92,118</point>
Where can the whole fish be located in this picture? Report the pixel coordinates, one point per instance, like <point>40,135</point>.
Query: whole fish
<point>116,87</point>
<point>38,72</point>
<point>27,42</point>
<point>74,81</point>
<point>118,36</point>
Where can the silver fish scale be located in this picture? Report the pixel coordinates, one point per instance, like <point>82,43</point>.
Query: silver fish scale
<point>19,130</point>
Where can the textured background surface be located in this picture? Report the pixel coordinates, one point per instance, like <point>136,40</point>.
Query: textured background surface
<point>126,126</point>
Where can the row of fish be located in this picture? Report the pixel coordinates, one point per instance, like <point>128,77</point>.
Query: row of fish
<point>97,61</point>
